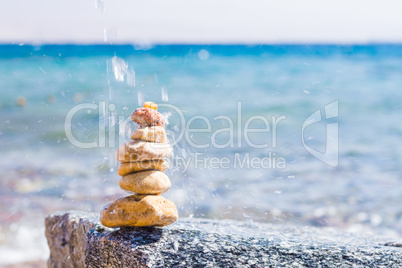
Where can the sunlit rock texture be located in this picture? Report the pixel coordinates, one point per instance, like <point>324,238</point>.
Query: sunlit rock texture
<point>77,239</point>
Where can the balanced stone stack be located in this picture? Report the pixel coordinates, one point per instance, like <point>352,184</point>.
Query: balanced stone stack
<point>143,161</point>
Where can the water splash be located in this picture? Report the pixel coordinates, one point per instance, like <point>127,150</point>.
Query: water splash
<point>119,68</point>
<point>109,35</point>
<point>131,77</point>
<point>166,116</point>
<point>122,71</point>
<point>140,98</point>
<point>164,92</point>
<point>100,4</point>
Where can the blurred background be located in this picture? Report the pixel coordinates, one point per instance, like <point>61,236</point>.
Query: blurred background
<point>283,58</point>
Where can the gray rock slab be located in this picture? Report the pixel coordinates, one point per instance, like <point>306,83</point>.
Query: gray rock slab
<point>77,239</point>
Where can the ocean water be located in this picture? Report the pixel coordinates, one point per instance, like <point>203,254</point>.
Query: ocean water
<point>216,172</point>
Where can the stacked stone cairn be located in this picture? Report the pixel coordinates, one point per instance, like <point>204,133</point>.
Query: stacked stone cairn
<point>143,161</point>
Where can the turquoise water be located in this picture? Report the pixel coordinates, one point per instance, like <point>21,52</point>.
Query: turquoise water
<point>42,171</point>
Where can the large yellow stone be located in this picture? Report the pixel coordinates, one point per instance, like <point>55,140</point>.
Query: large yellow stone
<point>132,167</point>
<point>138,150</point>
<point>145,182</point>
<point>152,134</point>
<point>139,211</point>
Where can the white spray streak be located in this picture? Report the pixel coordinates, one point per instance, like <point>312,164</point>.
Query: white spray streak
<point>109,35</point>
<point>122,71</point>
<point>140,98</point>
<point>119,68</point>
<point>100,4</point>
<point>164,92</point>
<point>131,77</point>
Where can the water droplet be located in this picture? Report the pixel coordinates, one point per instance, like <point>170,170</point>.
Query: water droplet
<point>203,54</point>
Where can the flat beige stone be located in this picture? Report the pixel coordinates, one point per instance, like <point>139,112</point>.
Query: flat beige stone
<point>139,211</point>
<point>132,167</point>
<point>145,182</point>
<point>151,134</point>
<point>138,150</point>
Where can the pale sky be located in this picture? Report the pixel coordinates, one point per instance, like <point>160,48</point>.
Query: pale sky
<point>202,21</point>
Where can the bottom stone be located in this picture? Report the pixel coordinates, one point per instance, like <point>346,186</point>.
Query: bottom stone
<point>139,211</point>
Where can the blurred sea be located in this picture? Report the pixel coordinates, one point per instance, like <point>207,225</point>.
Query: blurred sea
<point>41,171</point>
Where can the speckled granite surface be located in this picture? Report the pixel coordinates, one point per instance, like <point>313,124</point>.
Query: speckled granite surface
<point>77,239</point>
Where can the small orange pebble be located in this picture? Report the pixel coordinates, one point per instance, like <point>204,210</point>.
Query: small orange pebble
<point>151,105</point>
<point>21,101</point>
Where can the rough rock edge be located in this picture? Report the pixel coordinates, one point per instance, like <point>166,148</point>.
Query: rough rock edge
<point>77,239</point>
<point>66,235</point>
